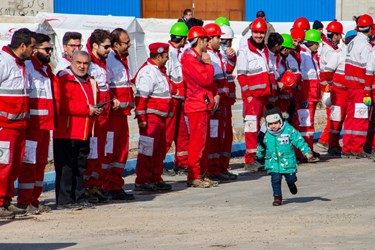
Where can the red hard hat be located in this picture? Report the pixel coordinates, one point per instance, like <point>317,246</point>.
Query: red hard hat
<point>335,27</point>
<point>213,29</point>
<point>298,34</point>
<point>301,23</point>
<point>259,24</point>
<point>365,20</point>
<point>289,79</point>
<point>196,31</point>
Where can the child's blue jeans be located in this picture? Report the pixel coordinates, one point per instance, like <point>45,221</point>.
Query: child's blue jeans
<point>276,181</point>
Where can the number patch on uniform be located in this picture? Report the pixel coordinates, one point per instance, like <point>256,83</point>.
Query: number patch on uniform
<point>283,139</point>
<point>146,145</point>
<point>361,111</point>
<point>93,148</point>
<point>304,117</point>
<point>30,152</point>
<point>4,152</point>
<point>335,113</point>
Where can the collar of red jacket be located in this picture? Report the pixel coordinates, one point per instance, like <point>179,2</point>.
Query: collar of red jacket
<point>123,59</point>
<point>94,59</point>
<point>8,50</point>
<point>163,69</point>
<point>256,50</point>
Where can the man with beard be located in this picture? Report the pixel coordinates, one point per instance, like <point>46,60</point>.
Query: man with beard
<point>253,76</point>
<point>39,83</point>
<point>118,130</point>
<point>14,111</point>
<point>71,43</point>
<point>98,46</point>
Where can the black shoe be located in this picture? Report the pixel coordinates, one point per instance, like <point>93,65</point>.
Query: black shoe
<point>229,175</point>
<point>102,196</point>
<point>121,195</point>
<point>253,167</point>
<point>89,197</point>
<point>162,186</point>
<point>335,151</point>
<point>145,187</point>
<point>70,206</point>
<point>293,188</point>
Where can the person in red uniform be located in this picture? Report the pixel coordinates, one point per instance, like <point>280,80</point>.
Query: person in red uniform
<point>120,85</point>
<point>40,86</point>
<point>254,78</point>
<point>359,91</point>
<point>98,46</point>
<point>14,112</point>
<point>71,43</point>
<point>198,74</point>
<point>177,130</point>
<point>329,47</point>
<point>152,105</point>
<point>71,144</point>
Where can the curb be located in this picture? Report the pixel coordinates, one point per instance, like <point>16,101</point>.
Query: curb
<point>238,150</point>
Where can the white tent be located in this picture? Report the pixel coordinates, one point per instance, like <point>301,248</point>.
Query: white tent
<point>86,24</point>
<point>9,24</point>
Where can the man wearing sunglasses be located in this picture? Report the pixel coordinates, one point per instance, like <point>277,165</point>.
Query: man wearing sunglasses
<point>98,46</point>
<point>71,43</point>
<point>39,84</point>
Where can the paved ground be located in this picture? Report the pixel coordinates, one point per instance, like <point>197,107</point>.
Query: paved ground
<point>334,209</point>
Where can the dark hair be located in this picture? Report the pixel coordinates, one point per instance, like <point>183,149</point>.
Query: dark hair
<point>176,39</point>
<point>115,35</point>
<point>187,11</point>
<point>71,36</point>
<point>194,22</point>
<point>274,39</point>
<point>260,14</point>
<point>41,38</point>
<point>98,36</point>
<point>22,36</point>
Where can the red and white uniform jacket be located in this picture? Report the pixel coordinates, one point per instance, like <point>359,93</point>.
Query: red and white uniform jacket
<point>274,75</point>
<point>220,80</point>
<point>230,63</point>
<point>74,120</point>
<point>289,63</point>
<point>120,83</point>
<point>198,78</point>
<point>296,53</point>
<point>39,85</point>
<point>334,69</point>
<point>14,104</point>
<point>310,86</point>
<point>370,71</point>
<point>174,72</point>
<point>253,71</point>
<point>153,93</point>
<point>355,64</point>
<point>328,49</point>
<point>63,63</point>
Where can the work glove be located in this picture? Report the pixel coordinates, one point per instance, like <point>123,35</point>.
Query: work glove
<point>326,99</point>
<point>304,104</point>
<point>367,100</point>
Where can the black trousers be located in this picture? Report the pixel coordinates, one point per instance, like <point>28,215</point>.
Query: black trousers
<point>70,161</point>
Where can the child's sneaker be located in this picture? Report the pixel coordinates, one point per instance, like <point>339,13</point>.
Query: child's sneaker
<point>293,188</point>
<point>277,200</point>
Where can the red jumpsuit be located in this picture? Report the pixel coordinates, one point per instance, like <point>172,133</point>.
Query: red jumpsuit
<point>152,104</point>
<point>356,120</point>
<point>253,76</point>
<point>176,122</point>
<point>198,77</point>
<point>14,111</point>
<point>117,143</point>
<point>30,180</point>
<point>370,71</point>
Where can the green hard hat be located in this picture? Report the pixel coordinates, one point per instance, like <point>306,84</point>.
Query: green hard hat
<point>288,41</point>
<point>313,36</point>
<point>222,21</point>
<point>179,29</point>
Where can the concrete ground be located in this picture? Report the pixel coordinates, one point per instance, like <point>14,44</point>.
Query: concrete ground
<point>334,209</point>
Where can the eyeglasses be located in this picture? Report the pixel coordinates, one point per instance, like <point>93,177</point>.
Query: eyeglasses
<point>79,46</point>
<point>127,43</point>
<point>47,50</point>
<point>105,46</point>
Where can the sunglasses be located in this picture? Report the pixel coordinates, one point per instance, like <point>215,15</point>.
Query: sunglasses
<point>105,46</point>
<point>47,50</point>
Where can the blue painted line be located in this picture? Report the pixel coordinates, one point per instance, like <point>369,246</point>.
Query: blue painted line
<point>238,150</point>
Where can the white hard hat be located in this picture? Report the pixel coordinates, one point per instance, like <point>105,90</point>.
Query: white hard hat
<point>228,32</point>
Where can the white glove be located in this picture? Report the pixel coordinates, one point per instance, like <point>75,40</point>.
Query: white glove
<point>326,99</point>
